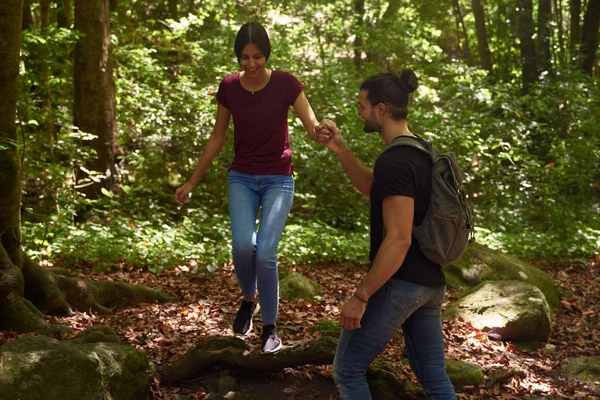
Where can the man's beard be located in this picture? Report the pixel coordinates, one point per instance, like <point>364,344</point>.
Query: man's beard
<point>371,125</point>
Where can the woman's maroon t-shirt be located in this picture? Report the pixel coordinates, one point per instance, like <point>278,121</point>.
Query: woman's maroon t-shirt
<point>260,130</point>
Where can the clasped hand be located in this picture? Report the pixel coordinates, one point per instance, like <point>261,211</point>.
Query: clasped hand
<point>329,135</point>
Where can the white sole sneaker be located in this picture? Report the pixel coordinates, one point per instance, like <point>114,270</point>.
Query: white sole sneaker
<point>275,350</point>
<point>256,310</point>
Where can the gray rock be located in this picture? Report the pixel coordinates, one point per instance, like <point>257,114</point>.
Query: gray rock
<point>515,310</point>
<point>480,264</point>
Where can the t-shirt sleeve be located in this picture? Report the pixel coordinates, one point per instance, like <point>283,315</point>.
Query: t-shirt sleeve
<point>222,93</point>
<point>293,88</point>
<point>394,174</point>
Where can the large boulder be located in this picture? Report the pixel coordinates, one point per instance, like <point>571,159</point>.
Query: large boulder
<point>516,311</point>
<point>480,264</point>
<point>94,366</point>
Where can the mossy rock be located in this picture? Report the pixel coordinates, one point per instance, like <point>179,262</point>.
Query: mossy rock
<point>585,368</point>
<point>329,328</point>
<point>480,264</point>
<point>464,373</point>
<point>514,310</point>
<point>293,285</point>
<point>41,368</point>
<point>386,383</point>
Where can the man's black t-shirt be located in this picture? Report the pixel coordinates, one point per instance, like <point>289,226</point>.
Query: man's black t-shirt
<point>404,171</point>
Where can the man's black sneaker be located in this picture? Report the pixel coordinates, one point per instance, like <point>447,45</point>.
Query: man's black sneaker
<point>243,318</point>
<point>270,341</point>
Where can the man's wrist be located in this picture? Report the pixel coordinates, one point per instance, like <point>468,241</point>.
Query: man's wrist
<point>361,299</point>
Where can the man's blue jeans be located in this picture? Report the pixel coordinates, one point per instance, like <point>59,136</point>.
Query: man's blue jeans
<point>398,303</point>
<point>255,252</point>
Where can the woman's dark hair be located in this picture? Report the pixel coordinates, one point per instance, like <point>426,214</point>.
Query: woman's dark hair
<point>252,32</point>
<point>392,89</point>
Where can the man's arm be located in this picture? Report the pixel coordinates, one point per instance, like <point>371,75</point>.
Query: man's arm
<point>360,175</point>
<point>398,214</point>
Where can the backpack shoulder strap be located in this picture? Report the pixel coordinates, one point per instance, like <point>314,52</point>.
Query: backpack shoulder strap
<point>420,144</point>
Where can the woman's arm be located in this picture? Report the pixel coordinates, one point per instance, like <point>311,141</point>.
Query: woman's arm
<point>213,147</point>
<point>306,115</point>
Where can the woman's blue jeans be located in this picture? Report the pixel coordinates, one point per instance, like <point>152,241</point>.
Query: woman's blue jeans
<point>398,303</point>
<point>255,251</point>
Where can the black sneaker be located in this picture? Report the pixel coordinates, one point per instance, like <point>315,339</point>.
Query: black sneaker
<point>270,341</point>
<point>243,318</point>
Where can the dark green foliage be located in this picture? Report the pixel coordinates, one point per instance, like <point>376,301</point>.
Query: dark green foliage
<point>530,161</point>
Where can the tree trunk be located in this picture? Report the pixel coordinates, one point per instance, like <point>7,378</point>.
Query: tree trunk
<point>25,287</point>
<point>173,11</point>
<point>485,56</point>
<point>526,31</point>
<point>359,40</point>
<point>543,34</point>
<point>461,30</point>
<point>63,18</point>
<point>561,54</point>
<point>15,312</point>
<point>575,27</point>
<point>388,18</point>
<point>589,36</point>
<point>94,106</point>
<point>45,75</point>
<point>28,15</point>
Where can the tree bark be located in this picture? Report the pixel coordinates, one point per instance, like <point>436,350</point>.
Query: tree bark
<point>527,45</point>
<point>485,56</point>
<point>575,27</point>
<point>15,312</point>
<point>589,36</point>
<point>173,11</point>
<point>561,53</point>
<point>462,30</point>
<point>94,105</point>
<point>543,34</point>
<point>63,18</point>
<point>28,16</point>
<point>359,40</point>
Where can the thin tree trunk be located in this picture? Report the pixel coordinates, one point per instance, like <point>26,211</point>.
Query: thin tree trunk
<point>45,75</point>
<point>462,31</point>
<point>526,31</point>
<point>28,15</point>
<point>589,36</point>
<point>94,106</point>
<point>560,55</point>
<point>359,12</point>
<point>173,11</point>
<point>575,28</point>
<point>485,56</point>
<point>543,34</point>
<point>63,18</point>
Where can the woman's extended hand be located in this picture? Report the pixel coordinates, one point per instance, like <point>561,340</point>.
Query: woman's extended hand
<point>181,195</point>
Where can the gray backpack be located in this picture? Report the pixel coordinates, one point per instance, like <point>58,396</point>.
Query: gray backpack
<point>447,228</point>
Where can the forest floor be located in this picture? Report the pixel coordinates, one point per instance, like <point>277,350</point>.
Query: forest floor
<point>208,302</point>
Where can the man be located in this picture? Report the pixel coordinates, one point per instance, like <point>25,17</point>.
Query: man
<point>402,287</point>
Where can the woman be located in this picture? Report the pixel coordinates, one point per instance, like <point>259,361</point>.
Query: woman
<point>260,175</point>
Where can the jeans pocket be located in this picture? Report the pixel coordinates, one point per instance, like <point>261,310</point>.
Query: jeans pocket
<point>403,295</point>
